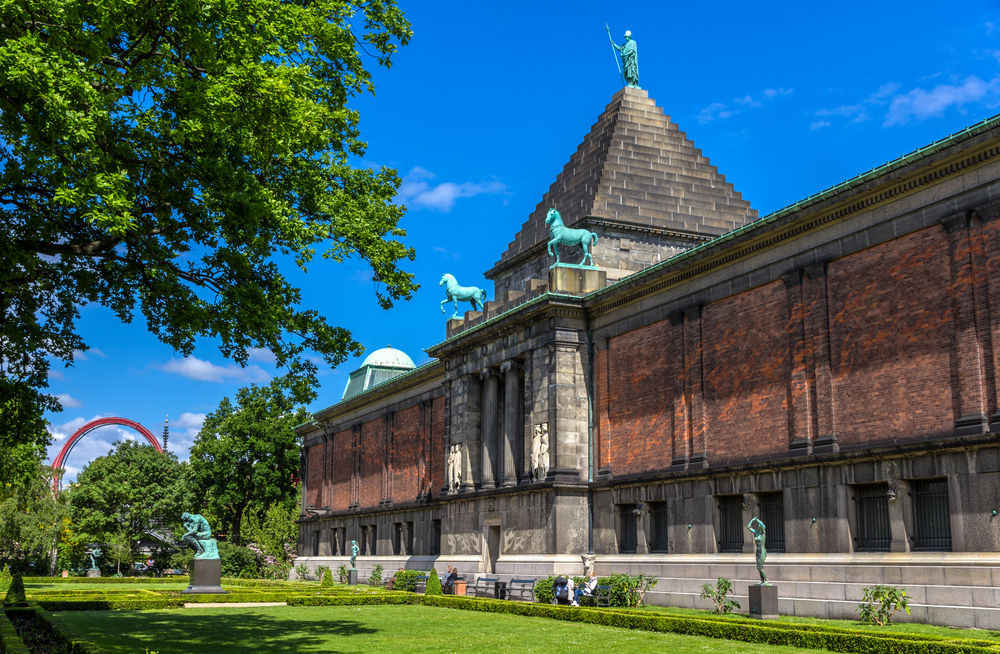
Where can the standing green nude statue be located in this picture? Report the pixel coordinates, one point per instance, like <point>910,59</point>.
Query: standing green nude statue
<point>759,536</point>
<point>354,553</point>
<point>630,59</point>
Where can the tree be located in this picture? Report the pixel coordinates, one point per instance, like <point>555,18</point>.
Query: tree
<point>131,492</point>
<point>166,156</point>
<point>32,522</point>
<point>247,453</point>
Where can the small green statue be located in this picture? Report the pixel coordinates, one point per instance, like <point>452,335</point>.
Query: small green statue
<point>199,536</point>
<point>455,293</point>
<point>355,550</point>
<point>630,59</point>
<point>559,234</point>
<point>94,555</point>
<point>759,535</point>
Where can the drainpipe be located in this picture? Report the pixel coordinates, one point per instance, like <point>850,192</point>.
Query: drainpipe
<point>590,432</point>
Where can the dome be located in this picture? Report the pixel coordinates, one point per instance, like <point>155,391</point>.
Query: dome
<point>389,358</point>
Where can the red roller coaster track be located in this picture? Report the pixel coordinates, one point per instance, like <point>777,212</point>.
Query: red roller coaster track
<point>57,464</point>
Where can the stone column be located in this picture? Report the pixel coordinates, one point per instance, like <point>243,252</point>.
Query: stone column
<point>990,235</point>
<point>356,472</point>
<point>568,422</point>
<point>512,396</point>
<point>970,392</point>
<point>304,476</point>
<point>491,398</point>
<point>693,378</point>
<point>602,399</point>
<point>817,323</point>
<point>799,392</point>
<point>681,433</point>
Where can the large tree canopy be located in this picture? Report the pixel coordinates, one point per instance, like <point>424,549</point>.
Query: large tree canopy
<point>161,156</point>
<point>247,453</point>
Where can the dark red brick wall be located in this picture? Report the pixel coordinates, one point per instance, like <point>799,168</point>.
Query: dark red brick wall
<point>407,443</point>
<point>372,462</point>
<point>635,374</point>
<point>315,478</point>
<point>745,358</point>
<point>343,468</point>
<point>891,341</point>
<point>437,447</point>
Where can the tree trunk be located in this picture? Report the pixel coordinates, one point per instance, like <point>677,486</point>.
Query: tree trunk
<point>53,556</point>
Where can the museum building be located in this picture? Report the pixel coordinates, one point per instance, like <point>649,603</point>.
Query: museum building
<point>829,368</point>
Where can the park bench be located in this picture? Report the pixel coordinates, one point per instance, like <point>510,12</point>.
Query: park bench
<point>421,580</point>
<point>601,597</point>
<point>483,585</point>
<point>521,587</point>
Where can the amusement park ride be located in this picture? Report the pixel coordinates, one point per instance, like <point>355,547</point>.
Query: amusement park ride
<point>57,464</point>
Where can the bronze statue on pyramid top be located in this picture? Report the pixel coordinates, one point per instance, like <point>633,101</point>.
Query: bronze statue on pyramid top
<point>629,68</point>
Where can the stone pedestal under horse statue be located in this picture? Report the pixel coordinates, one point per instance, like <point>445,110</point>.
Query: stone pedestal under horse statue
<point>455,293</point>
<point>559,234</point>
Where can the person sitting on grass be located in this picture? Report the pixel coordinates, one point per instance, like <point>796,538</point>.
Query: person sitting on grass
<point>585,590</point>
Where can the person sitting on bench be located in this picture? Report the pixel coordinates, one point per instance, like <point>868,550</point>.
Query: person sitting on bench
<point>585,590</point>
<point>449,580</point>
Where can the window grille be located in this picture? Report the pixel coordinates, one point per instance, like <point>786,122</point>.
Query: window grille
<point>628,539</point>
<point>731,523</point>
<point>872,509</point>
<point>931,518</point>
<point>772,513</point>
<point>658,518</point>
<point>435,537</point>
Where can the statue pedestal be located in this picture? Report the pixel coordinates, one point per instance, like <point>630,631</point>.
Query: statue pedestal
<point>352,577</point>
<point>763,602</point>
<point>576,280</point>
<point>93,572</point>
<point>206,578</point>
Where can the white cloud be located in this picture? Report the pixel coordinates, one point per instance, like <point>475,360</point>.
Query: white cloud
<point>68,401</point>
<point>80,355</point>
<point>995,54</point>
<point>416,190</point>
<point>713,111</point>
<point>261,354</point>
<point>920,104</point>
<point>819,124</point>
<point>770,93</point>
<point>447,253</point>
<point>747,100</point>
<point>846,110</point>
<point>195,368</point>
<point>56,374</point>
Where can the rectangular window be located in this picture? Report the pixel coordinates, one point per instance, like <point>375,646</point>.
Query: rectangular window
<point>772,514</point>
<point>334,541</point>
<point>628,539</point>
<point>931,518</point>
<point>397,538</point>
<point>872,509</point>
<point>435,537</point>
<point>409,538</point>
<point>658,518</point>
<point>731,523</point>
<point>315,547</point>
<point>373,540</point>
<point>364,540</point>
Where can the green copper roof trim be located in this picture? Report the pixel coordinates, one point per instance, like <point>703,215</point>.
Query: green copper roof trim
<point>952,139</point>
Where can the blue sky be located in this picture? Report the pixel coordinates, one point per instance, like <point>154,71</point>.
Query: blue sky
<point>484,107</point>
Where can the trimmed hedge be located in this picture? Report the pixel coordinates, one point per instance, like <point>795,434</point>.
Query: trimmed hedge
<point>9,641</point>
<point>180,579</point>
<point>356,600</point>
<point>805,636</point>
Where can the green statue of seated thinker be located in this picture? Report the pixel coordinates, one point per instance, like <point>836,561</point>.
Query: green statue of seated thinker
<point>199,536</point>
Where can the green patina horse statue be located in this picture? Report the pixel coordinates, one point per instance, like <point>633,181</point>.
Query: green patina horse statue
<point>455,293</point>
<point>559,234</point>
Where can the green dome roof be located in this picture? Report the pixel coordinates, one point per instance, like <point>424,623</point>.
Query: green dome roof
<point>388,358</point>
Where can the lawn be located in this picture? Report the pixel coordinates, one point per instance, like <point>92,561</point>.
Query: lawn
<point>374,629</point>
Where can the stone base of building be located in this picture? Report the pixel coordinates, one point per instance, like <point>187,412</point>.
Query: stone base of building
<point>763,602</point>
<point>206,578</point>
<point>576,280</point>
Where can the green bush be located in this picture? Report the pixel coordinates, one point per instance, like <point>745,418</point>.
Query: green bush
<point>880,603</point>
<point>433,583</point>
<point>9,641</point>
<point>5,579</point>
<point>406,580</point>
<point>375,578</point>
<point>15,594</point>
<point>342,573</point>
<point>327,578</point>
<point>626,591</point>
<point>237,560</point>
<point>718,595</point>
<point>302,572</point>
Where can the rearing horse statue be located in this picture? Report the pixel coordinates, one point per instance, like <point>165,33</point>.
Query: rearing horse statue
<point>455,293</point>
<point>559,234</point>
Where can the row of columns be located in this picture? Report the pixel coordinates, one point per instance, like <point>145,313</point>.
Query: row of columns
<point>500,429</point>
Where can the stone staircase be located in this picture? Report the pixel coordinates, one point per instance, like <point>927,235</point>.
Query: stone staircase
<point>953,589</point>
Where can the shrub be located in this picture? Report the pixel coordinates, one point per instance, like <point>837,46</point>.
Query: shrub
<point>237,561</point>
<point>15,594</point>
<point>375,578</point>
<point>880,603</point>
<point>626,590</point>
<point>406,580</point>
<point>5,579</point>
<point>327,578</point>
<point>302,572</point>
<point>718,595</point>
<point>433,583</point>
<point>342,573</point>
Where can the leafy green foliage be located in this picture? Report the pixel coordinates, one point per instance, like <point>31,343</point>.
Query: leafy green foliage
<point>718,594</point>
<point>165,157</point>
<point>626,590</point>
<point>302,572</point>
<point>406,580</point>
<point>5,578</point>
<point>375,578</point>
<point>237,561</point>
<point>129,493</point>
<point>32,522</point>
<point>327,579</point>
<point>342,573</point>
<point>879,603</point>
<point>15,594</point>
<point>433,583</point>
<point>23,436</point>
<point>244,458</point>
